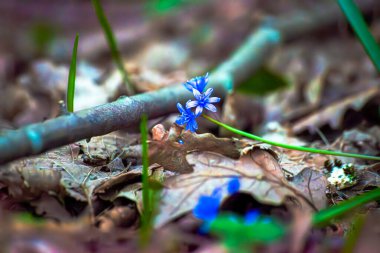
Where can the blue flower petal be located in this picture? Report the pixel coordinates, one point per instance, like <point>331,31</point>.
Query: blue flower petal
<point>198,83</point>
<point>198,110</point>
<point>208,92</point>
<point>191,104</point>
<point>181,120</point>
<point>210,107</point>
<point>189,86</point>
<point>207,207</point>
<point>233,185</point>
<point>251,217</point>
<point>187,118</point>
<point>180,108</point>
<point>213,100</point>
<point>203,83</point>
<point>194,125</point>
<point>198,96</point>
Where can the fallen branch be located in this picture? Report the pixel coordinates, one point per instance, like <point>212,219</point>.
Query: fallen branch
<point>37,138</point>
<point>126,111</point>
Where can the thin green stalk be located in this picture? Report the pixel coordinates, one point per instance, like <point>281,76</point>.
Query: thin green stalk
<point>287,146</point>
<point>108,33</point>
<point>145,161</point>
<point>356,20</point>
<point>146,214</point>
<point>71,79</point>
<point>325,216</point>
<point>353,235</point>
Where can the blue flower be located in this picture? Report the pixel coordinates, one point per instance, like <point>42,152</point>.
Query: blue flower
<point>208,206</point>
<point>251,217</point>
<point>203,100</point>
<point>187,118</point>
<point>233,185</point>
<point>198,83</point>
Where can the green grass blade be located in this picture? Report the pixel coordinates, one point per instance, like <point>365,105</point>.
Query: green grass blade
<point>325,216</point>
<point>145,176</point>
<point>112,44</point>
<point>146,194</point>
<point>358,24</point>
<point>283,145</point>
<point>353,234</point>
<point>71,79</point>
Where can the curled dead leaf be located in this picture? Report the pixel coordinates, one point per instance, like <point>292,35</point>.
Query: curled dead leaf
<point>25,181</point>
<point>334,113</point>
<point>64,172</point>
<point>119,216</point>
<point>171,154</point>
<point>259,172</point>
<point>312,184</point>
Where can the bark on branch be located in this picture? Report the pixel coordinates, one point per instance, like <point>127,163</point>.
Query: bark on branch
<point>37,138</point>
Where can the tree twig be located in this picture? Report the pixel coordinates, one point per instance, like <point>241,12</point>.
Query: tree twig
<point>126,111</point>
<point>37,138</point>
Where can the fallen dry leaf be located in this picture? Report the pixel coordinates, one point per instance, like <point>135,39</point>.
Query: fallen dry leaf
<point>366,142</point>
<point>64,172</point>
<point>108,190</point>
<point>312,184</point>
<point>334,113</point>
<point>171,154</point>
<point>368,233</point>
<point>299,230</point>
<point>49,207</point>
<point>237,112</point>
<point>368,178</point>
<point>118,216</point>
<point>25,181</point>
<point>259,172</point>
<point>14,100</point>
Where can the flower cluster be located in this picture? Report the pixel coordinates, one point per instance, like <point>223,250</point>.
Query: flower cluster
<point>236,232</point>
<point>207,207</point>
<point>202,101</point>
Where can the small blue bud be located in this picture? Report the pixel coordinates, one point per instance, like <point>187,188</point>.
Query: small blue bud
<point>251,217</point>
<point>233,185</point>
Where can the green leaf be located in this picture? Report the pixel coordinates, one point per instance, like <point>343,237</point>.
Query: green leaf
<point>356,20</point>
<point>110,37</point>
<point>234,232</point>
<point>71,80</point>
<point>28,218</point>
<point>165,7</point>
<point>263,82</point>
<point>43,35</point>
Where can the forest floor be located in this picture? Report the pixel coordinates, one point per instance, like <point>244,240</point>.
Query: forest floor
<point>318,89</point>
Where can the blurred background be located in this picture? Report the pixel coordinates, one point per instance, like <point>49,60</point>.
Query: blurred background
<point>166,42</point>
<point>317,87</point>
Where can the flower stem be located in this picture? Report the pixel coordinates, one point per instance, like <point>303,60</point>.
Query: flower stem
<point>325,216</point>
<point>287,146</point>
